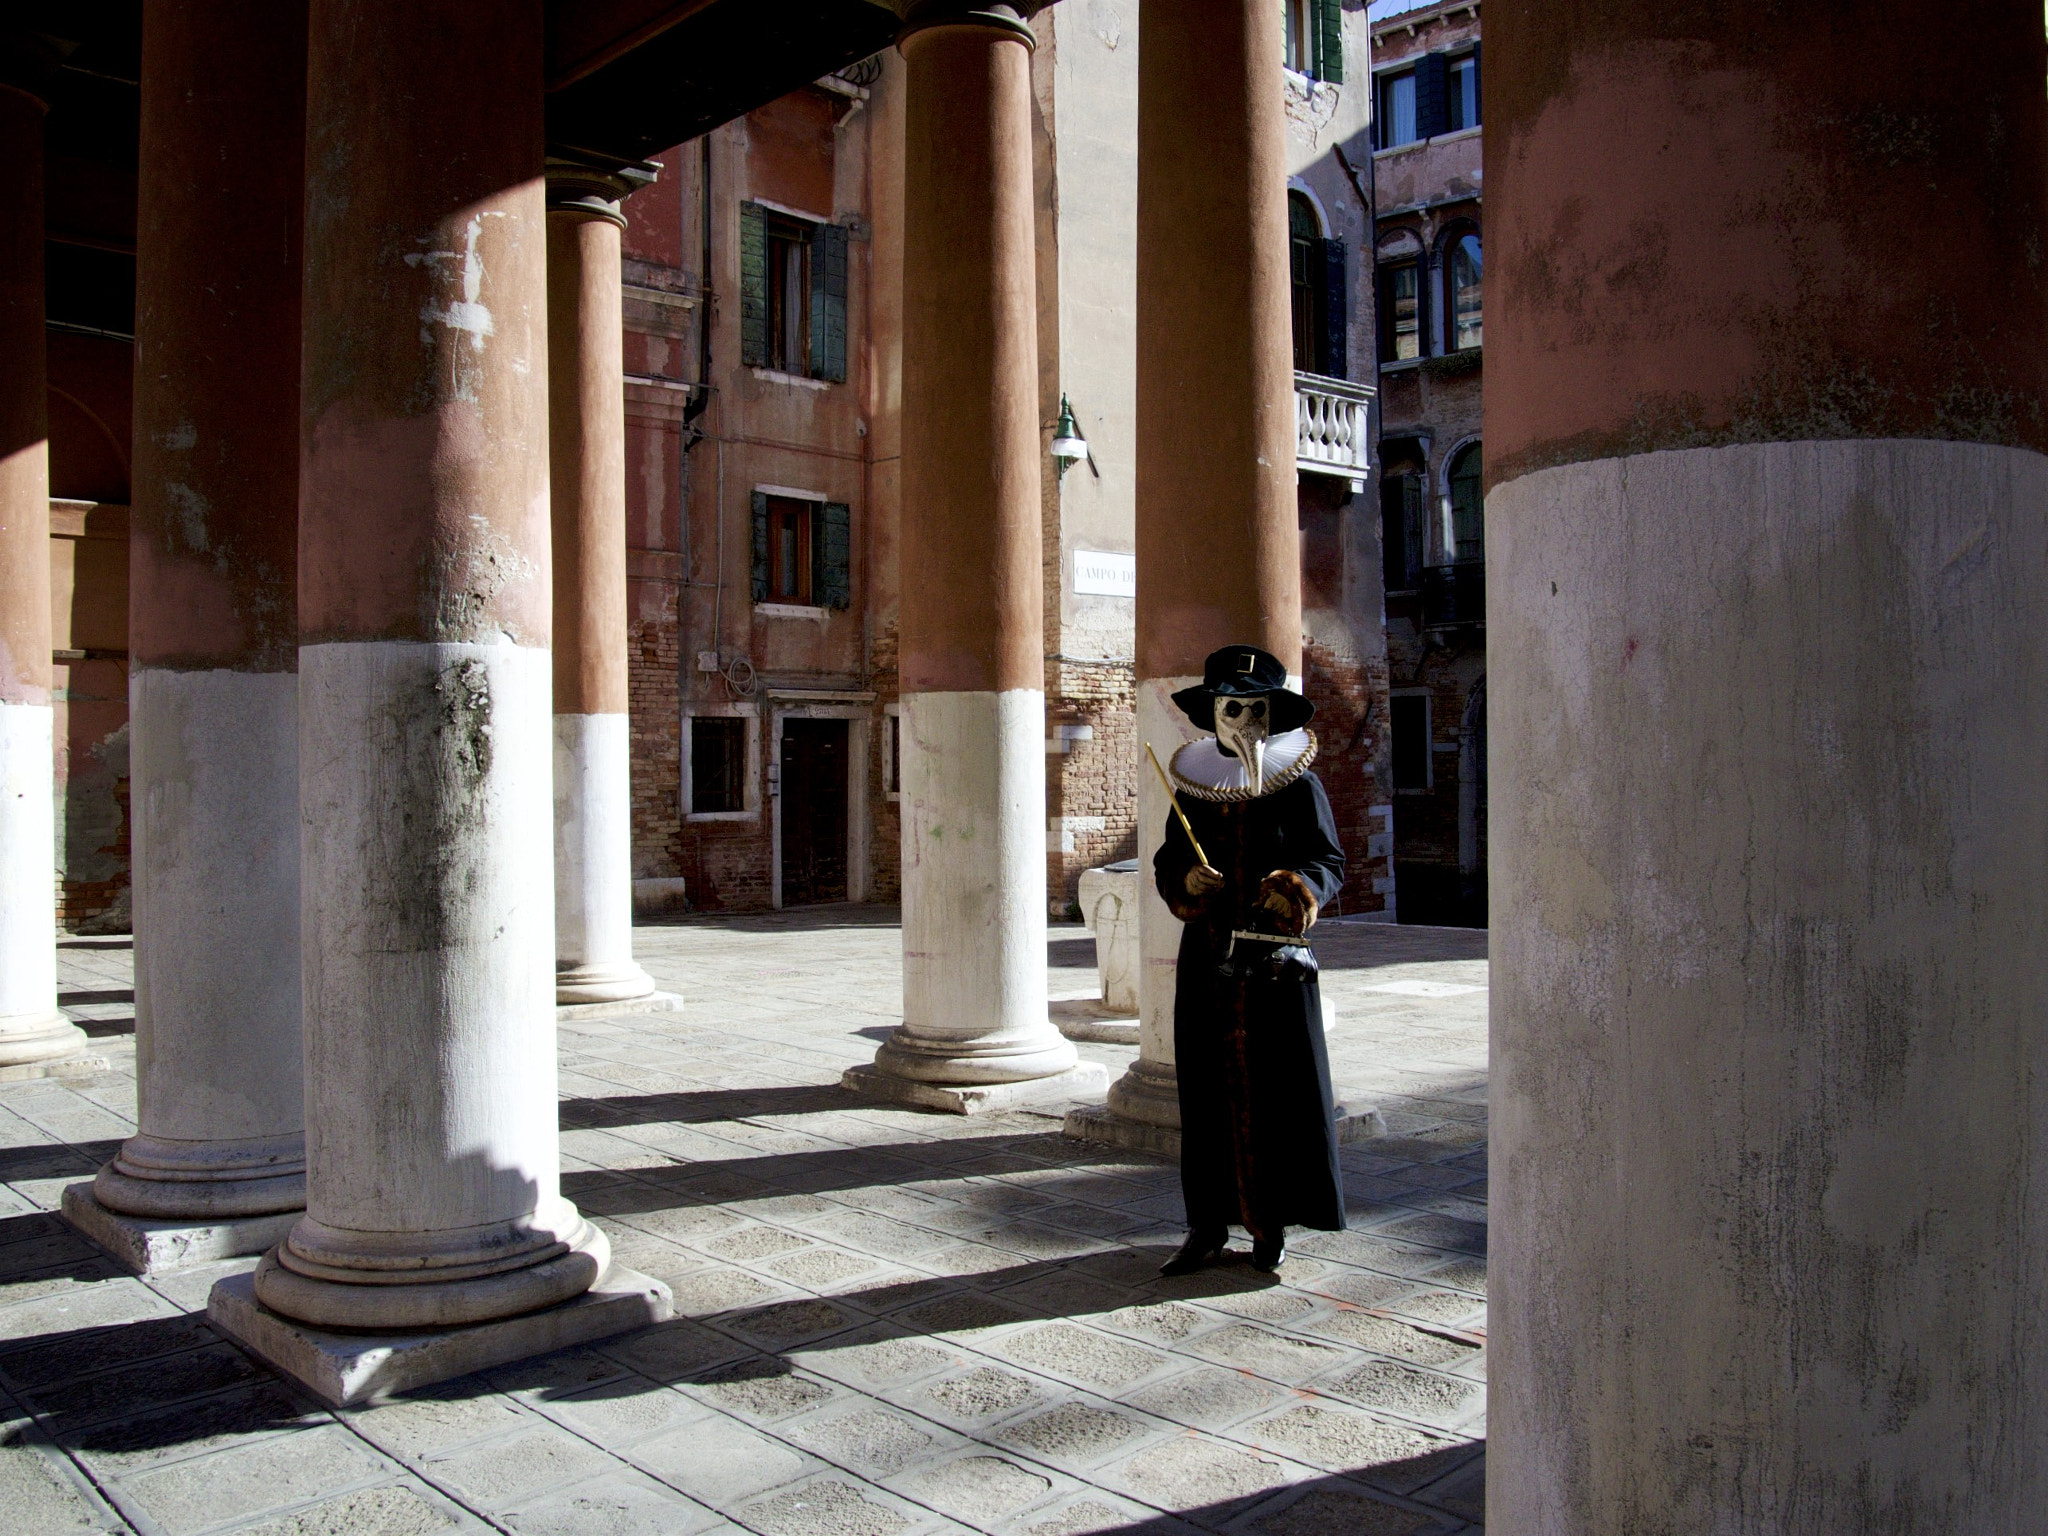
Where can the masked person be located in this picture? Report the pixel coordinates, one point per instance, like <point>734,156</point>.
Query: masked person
<point>1258,1132</point>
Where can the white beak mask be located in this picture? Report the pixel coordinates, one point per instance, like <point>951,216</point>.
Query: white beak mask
<point>1242,726</point>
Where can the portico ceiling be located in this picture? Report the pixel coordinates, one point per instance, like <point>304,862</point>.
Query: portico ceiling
<point>625,78</point>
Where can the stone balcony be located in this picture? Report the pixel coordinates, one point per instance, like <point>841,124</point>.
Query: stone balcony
<point>1332,428</point>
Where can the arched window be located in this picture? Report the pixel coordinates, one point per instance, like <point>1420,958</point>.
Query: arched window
<point>1400,297</point>
<point>1466,533</point>
<point>1463,273</point>
<point>1304,241</point>
<point>1321,303</point>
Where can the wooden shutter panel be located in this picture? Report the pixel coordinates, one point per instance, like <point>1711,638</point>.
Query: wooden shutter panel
<point>828,303</point>
<point>1432,94</point>
<point>754,285</point>
<point>1333,309</point>
<point>1411,524</point>
<point>760,546</point>
<point>832,583</point>
<point>1330,41</point>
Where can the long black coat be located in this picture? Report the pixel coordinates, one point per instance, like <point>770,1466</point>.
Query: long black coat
<point>1258,1133</point>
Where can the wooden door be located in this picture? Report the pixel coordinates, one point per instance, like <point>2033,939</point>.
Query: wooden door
<point>814,762</point>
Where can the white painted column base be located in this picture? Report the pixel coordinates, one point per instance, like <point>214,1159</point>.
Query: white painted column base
<point>975,1014</point>
<point>220,1075</point>
<point>594,862</point>
<point>33,1033</point>
<point>1148,1094</point>
<point>433,1192</point>
<point>1768,985</point>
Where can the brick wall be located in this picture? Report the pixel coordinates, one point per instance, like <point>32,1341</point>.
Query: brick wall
<point>885,816</point>
<point>1350,696</point>
<point>1090,787</point>
<point>653,646</point>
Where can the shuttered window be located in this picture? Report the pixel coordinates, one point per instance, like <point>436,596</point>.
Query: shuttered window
<point>793,291</point>
<point>802,551</point>
<point>1329,40</point>
<point>828,303</point>
<point>1321,296</point>
<point>1401,530</point>
<point>1396,109</point>
<point>833,582</point>
<point>1432,90</point>
<point>753,285</point>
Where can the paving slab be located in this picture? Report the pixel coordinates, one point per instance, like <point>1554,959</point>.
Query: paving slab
<point>888,1321</point>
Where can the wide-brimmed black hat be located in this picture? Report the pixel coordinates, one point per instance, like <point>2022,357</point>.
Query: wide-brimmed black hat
<point>1242,671</point>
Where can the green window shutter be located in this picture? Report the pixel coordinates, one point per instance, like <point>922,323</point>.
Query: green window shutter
<point>1333,309</point>
<point>753,285</point>
<point>1432,93</point>
<point>760,546</point>
<point>832,581</point>
<point>1330,41</point>
<point>828,303</point>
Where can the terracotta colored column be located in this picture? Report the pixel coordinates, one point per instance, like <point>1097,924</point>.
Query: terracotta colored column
<point>1219,559</point>
<point>587,454</point>
<point>1767,404</point>
<point>33,1034</point>
<point>213,636</point>
<point>433,1193</point>
<point>976,1032</point>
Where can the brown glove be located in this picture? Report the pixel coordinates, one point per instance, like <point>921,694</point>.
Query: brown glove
<point>1286,898</point>
<point>1201,880</point>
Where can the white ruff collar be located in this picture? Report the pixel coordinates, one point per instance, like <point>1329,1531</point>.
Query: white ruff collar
<point>1204,770</point>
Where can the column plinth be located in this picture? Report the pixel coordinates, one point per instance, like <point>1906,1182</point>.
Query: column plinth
<point>35,1038</point>
<point>977,1031</point>
<point>433,1196</point>
<point>587,469</point>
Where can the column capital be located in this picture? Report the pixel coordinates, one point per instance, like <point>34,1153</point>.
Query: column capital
<point>1014,17</point>
<point>589,188</point>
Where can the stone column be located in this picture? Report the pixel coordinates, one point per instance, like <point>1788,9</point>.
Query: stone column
<point>34,1037</point>
<point>587,457</point>
<point>433,1191</point>
<point>213,637</point>
<point>976,1031</point>
<point>1765,540</point>
<point>1219,559</point>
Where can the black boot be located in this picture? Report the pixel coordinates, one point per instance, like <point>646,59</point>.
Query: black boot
<point>1204,1246</point>
<point>1269,1253</point>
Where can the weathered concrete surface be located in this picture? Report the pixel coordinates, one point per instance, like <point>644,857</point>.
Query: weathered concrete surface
<point>1768,942</point>
<point>1765,549</point>
<point>921,1323</point>
<point>974,1003</point>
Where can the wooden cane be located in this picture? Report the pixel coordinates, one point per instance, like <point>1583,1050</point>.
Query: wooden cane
<point>1174,800</point>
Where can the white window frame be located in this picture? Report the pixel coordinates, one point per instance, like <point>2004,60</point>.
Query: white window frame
<point>892,750</point>
<point>750,799</point>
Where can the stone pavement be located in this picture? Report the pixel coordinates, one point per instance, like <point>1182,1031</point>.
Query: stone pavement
<point>889,1322</point>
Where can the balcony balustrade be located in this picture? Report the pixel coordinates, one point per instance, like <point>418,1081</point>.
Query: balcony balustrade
<point>1331,428</point>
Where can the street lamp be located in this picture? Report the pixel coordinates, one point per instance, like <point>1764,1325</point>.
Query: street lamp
<point>1069,447</point>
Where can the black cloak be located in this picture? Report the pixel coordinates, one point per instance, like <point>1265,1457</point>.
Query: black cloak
<point>1258,1129</point>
